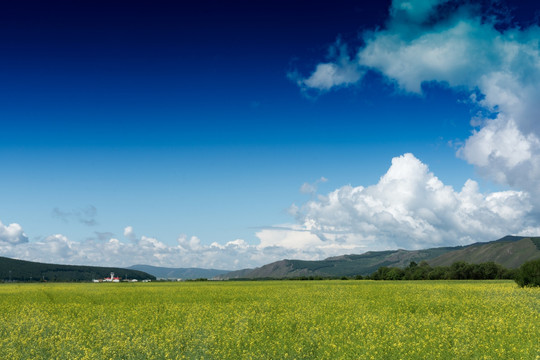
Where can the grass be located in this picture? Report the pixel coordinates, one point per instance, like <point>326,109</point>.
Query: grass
<point>271,320</point>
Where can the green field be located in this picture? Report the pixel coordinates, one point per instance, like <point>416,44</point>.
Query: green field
<point>271,320</point>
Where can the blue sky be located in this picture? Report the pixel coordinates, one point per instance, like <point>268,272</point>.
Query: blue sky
<point>233,134</point>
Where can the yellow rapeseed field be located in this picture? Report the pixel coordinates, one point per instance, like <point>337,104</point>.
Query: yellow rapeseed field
<point>271,320</point>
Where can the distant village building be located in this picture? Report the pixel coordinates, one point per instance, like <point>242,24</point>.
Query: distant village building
<point>115,279</point>
<point>112,278</point>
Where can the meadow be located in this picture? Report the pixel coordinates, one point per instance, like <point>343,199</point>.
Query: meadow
<point>271,320</point>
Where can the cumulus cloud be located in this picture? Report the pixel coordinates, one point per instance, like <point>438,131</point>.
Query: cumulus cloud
<point>409,207</point>
<point>12,234</point>
<point>129,233</point>
<point>187,252</point>
<point>426,41</point>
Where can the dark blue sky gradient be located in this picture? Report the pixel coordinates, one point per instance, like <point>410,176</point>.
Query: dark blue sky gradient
<point>165,114</point>
<point>135,73</point>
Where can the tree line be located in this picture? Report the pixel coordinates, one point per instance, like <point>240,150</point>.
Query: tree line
<point>459,270</point>
<point>29,271</point>
<point>527,275</point>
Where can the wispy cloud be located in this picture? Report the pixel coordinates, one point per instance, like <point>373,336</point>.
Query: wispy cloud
<point>311,188</point>
<point>86,216</point>
<point>340,71</point>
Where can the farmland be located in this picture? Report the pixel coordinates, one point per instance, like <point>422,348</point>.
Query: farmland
<point>271,320</point>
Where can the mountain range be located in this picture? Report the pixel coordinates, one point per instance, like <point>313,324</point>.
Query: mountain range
<point>179,273</point>
<point>509,251</point>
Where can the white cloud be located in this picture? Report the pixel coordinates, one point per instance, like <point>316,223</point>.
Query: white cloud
<point>342,71</point>
<point>311,188</point>
<point>290,237</point>
<point>408,208</point>
<point>128,233</point>
<point>188,252</point>
<point>308,188</point>
<point>502,152</point>
<point>12,234</point>
<point>329,75</point>
<point>465,50</point>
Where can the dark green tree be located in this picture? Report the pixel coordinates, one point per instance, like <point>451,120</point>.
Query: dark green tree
<point>529,274</point>
<point>460,270</point>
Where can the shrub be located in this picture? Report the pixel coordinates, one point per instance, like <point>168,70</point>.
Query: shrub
<point>529,274</point>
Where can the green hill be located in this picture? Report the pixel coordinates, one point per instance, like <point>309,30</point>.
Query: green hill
<point>21,270</point>
<point>345,265</point>
<point>510,252</point>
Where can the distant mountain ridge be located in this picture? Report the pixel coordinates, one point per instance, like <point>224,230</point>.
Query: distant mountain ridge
<point>509,251</point>
<point>179,273</point>
<point>22,270</point>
